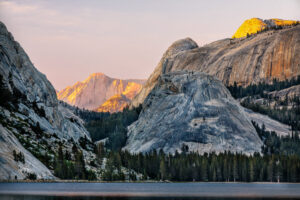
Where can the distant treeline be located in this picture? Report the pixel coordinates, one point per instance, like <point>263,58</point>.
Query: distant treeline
<point>275,27</point>
<point>260,88</point>
<point>273,144</point>
<point>111,126</point>
<point>280,112</point>
<point>208,167</point>
<point>67,168</point>
<point>279,161</point>
<point>287,116</point>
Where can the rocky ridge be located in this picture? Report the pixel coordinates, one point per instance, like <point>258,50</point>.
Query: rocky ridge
<point>289,93</point>
<point>259,58</point>
<point>31,116</point>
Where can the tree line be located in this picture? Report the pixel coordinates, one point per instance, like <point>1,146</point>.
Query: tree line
<point>110,125</point>
<point>281,111</point>
<point>279,161</point>
<point>261,88</point>
<point>223,167</point>
<point>289,116</point>
<point>66,167</point>
<point>278,145</point>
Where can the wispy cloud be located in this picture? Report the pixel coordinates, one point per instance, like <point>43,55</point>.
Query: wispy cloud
<point>17,8</point>
<point>38,14</point>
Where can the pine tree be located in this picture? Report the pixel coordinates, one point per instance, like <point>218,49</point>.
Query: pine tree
<point>235,169</point>
<point>270,170</point>
<point>162,169</point>
<point>15,155</point>
<point>251,171</point>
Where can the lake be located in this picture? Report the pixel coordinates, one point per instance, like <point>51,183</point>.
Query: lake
<point>147,191</point>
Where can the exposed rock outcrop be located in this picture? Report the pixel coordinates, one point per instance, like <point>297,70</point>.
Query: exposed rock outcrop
<point>289,93</point>
<point>99,88</point>
<point>193,109</point>
<point>12,169</point>
<point>270,124</point>
<point>176,48</point>
<point>259,58</point>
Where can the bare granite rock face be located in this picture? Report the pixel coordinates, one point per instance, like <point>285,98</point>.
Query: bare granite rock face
<point>290,93</point>
<point>32,113</point>
<point>9,168</point>
<point>176,48</point>
<point>259,58</point>
<point>35,89</point>
<point>194,109</point>
<point>270,124</point>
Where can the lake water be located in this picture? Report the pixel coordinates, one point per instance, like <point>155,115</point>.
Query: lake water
<point>147,191</point>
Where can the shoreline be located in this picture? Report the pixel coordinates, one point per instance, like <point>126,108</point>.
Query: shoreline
<point>149,181</point>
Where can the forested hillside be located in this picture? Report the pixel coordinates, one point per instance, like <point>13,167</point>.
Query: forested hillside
<point>279,100</point>
<point>279,159</point>
<point>112,127</point>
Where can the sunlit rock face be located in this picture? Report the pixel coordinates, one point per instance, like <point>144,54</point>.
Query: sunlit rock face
<point>114,104</point>
<point>255,25</point>
<point>250,26</point>
<point>97,89</point>
<point>35,104</point>
<point>193,109</point>
<point>118,102</point>
<point>259,58</point>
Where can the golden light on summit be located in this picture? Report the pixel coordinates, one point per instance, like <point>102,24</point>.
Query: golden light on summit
<point>282,22</point>
<point>250,26</point>
<point>254,25</point>
<point>118,102</point>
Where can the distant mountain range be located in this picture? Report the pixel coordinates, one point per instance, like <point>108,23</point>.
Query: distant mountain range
<point>184,106</point>
<point>101,93</point>
<point>104,94</point>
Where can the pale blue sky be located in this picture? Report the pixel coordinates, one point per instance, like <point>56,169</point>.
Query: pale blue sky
<point>70,39</point>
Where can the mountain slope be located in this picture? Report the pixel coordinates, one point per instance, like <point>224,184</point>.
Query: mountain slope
<point>32,119</point>
<point>192,109</point>
<point>97,89</point>
<point>12,169</point>
<point>261,57</point>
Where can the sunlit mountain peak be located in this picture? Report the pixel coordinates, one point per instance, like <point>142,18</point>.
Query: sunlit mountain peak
<point>254,25</point>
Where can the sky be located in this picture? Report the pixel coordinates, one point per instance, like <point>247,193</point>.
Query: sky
<point>69,39</point>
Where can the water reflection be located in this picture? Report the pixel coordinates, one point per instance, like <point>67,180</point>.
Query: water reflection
<point>148,191</point>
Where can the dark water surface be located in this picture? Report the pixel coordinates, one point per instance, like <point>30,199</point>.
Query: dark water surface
<point>148,191</point>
